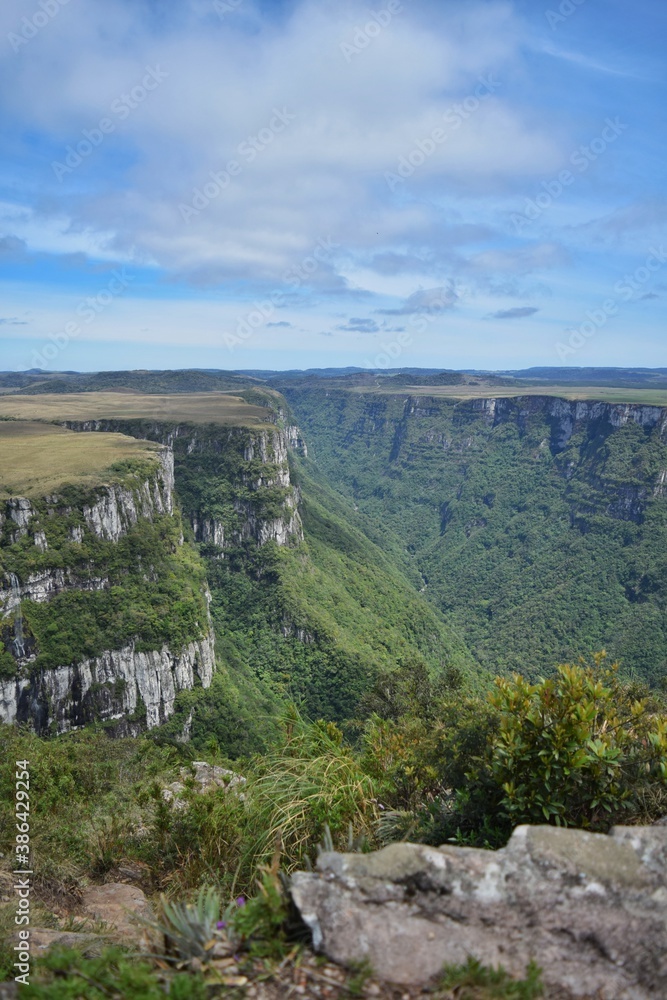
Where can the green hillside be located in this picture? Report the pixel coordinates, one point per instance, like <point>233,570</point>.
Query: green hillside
<point>318,621</point>
<point>313,622</point>
<point>533,552</point>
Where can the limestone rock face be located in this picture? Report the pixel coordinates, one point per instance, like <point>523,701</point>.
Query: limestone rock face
<point>209,530</point>
<point>296,441</point>
<point>590,909</point>
<point>109,686</point>
<point>21,512</point>
<point>118,508</point>
<point>41,587</point>
<point>282,530</point>
<point>567,415</point>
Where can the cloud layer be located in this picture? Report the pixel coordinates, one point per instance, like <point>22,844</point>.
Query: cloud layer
<point>313,153</point>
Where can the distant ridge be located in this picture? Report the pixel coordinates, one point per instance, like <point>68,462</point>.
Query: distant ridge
<point>221,380</point>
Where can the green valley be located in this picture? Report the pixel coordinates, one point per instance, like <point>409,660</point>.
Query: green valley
<point>537,523</point>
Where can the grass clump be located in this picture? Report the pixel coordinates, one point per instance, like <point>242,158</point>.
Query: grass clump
<point>309,781</point>
<point>65,975</point>
<point>474,981</point>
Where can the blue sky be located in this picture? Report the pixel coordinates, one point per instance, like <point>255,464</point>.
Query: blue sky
<point>246,184</point>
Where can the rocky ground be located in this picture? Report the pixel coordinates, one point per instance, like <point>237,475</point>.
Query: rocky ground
<point>591,910</point>
<point>115,913</point>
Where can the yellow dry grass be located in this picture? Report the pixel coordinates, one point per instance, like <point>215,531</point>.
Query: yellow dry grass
<point>201,407</point>
<point>647,397</point>
<point>36,458</point>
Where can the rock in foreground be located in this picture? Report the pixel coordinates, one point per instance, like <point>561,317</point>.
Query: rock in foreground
<point>590,909</point>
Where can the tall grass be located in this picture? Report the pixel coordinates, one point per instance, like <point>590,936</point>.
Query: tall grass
<point>309,781</point>
<point>99,805</point>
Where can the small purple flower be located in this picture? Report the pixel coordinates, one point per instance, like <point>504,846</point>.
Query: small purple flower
<point>240,901</point>
<point>220,924</point>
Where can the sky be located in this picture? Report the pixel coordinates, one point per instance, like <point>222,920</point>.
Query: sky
<point>292,184</point>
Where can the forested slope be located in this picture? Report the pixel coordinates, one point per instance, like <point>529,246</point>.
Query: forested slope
<point>539,524</point>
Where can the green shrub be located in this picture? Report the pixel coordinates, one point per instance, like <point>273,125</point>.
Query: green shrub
<point>261,922</point>
<point>582,749</point>
<point>473,981</point>
<point>576,749</point>
<point>200,841</point>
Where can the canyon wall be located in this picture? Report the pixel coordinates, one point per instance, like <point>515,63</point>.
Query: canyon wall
<point>538,524</point>
<point>87,553</point>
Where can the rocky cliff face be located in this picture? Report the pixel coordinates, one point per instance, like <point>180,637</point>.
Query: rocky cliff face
<point>233,482</point>
<point>537,522</point>
<point>40,587</point>
<point>233,486</point>
<point>116,685</point>
<point>114,509</point>
<point>565,416</point>
<point>61,552</point>
<point>589,909</point>
<point>118,507</point>
<point>109,514</point>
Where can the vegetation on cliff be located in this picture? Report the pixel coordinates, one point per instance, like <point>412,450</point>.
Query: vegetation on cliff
<point>145,588</point>
<point>435,546</point>
<point>534,545</point>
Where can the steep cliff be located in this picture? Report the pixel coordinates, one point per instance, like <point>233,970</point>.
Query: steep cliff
<point>103,612</point>
<point>233,482</point>
<point>312,614</point>
<point>122,684</point>
<point>538,523</point>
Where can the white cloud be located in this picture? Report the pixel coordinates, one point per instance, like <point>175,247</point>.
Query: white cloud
<point>319,176</point>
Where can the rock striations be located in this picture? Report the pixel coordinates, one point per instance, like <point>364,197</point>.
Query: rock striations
<point>118,507</point>
<point>233,482</point>
<point>589,909</point>
<point>565,415</point>
<point>117,684</point>
<point>233,486</point>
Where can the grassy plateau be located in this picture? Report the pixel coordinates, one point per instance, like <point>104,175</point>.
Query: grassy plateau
<point>37,458</point>
<point>482,390</point>
<point>204,407</point>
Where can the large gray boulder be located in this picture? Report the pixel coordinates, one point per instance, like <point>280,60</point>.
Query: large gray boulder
<point>590,909</point>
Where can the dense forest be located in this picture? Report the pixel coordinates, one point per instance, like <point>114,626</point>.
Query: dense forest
<point>537,536</point>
